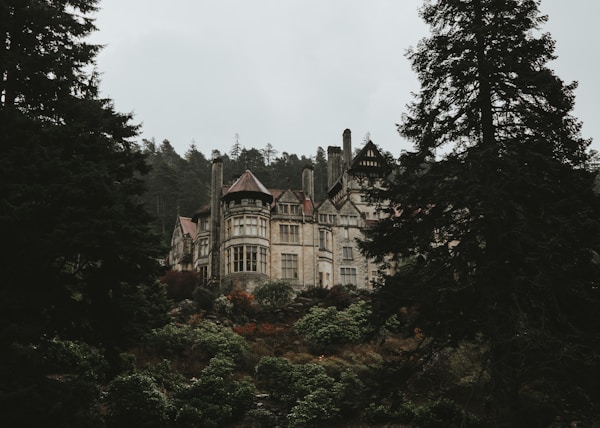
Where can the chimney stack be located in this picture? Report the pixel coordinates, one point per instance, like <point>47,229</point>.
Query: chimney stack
<point>347,149</point>
<point>215,217</point>
<point>334,165</point>
<point>308,182</point>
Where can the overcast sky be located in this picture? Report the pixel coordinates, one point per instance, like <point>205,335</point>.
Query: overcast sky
<point>293,73</point>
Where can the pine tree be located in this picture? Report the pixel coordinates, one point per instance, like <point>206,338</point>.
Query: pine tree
<point>493,228</point>
<point>80,260</point>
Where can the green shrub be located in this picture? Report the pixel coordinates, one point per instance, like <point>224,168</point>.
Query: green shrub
<point>444,413</point>
<point>274,293</point>
<point>317,408</point>
<point>277,375</point>
<point>216,398</point>
<point>314,292</point>
<point>260,418</point>
<point>338,296</point>
<point>384,413</point>
<point>205,298</point>
<point>135,400</point>
<point>165,376</point>
<point>180,285</point>
<point>66,356</point>
<point>326,328</point>
<point>208,337</point>
<point>312,397</point>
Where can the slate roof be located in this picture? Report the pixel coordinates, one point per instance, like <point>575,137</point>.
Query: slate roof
<point>248,183</point>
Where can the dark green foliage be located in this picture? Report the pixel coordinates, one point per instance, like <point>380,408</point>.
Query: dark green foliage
<point>274,293</point>
<point>216,398</point>
<point>205,298</point>
<point>493,227</point>
<point>312,397</point>
<point>83,259</point>
<point>338,296</point>
<point>314,292</point>
<point>135,400</point>
<point>56,383</point>
<point>327,328</point>
<point>206,337</point>
<point>180,285</point>
<point>444,413</point>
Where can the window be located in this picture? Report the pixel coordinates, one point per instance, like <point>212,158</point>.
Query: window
<point>247,258</point>
<point>252,226</point>
<point>262,260</point>
<point>324,239</point>
<point>292,209</point>
<point>289,266</point>
<point>349,220</point>
<point>251,258</point>
<point>238,226</point>
<point>348,275</point>
<point>203,247</point>
<point>203,275</point>
<point>324,279</point>
<point>262,227</point>
<point>347,253</point>
<point>327,218</point>
<point>238,259</point>
<point>289,233</point>
<point>203,224</point>
<point>246,225</point>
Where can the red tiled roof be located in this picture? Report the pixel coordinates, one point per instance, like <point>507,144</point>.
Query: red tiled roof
<point>188,227</point>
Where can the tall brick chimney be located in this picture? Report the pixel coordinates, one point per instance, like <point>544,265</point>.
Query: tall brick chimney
<point>347,149</point>
<point>215,218</point>
<point>334,164</point>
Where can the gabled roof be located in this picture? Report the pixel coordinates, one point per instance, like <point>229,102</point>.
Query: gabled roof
<point>369,161</point>
<point>187,226</point>
<point>307,205</point>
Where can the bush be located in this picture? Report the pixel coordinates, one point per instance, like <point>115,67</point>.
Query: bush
<point>207,337</point>
<point>384,413</point>
<point>135,400</point>
<point>277,376</point>
<point>180,285</point>
<point>216,398</point>
<point>315,398</point>
<point>338,296</point>
<point>444,413</point>
<point>314,292</point>
<point>274,293</point>
<point>205,298</point>
<point>65,356</point>
<point>327,328</point>
<point>165,376</point>
<point>314,409</point>
<point>241,301</point>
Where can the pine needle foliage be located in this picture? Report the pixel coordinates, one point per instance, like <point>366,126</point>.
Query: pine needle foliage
<point>492,226</point>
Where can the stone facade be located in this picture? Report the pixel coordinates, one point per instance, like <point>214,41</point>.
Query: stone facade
<point>249,234</point>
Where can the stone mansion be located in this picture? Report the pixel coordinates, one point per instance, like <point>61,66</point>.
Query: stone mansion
<point>249,234</point>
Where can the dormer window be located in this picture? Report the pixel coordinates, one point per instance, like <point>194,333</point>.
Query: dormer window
<point>291,209</point>
<point>203,224</point>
